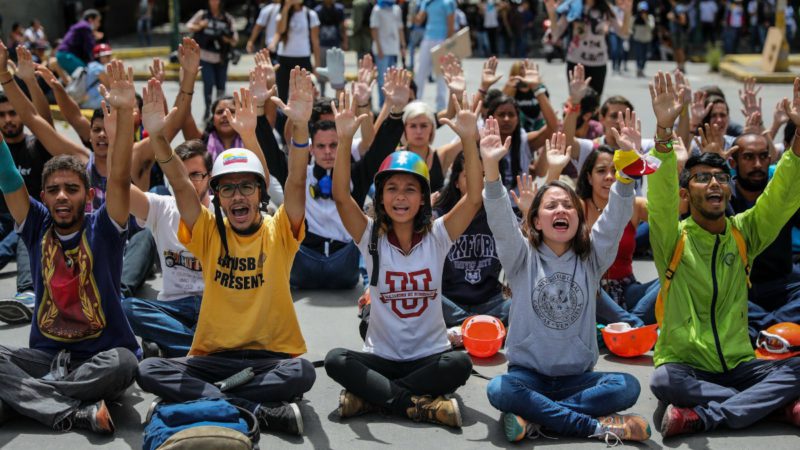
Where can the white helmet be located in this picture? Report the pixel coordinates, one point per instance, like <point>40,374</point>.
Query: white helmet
<point>236,160</point>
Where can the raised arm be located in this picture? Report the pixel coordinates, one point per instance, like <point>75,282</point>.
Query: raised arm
<point>121,98</point>
<point>244,123</point>
<point>532,78</point>
<point>70,110</point>
<point>466,127</point>
<point>27,73</point>
<point>353,219</point>
<point>301,99</point>
<point>154,121</point>
<point>262,91</point>
<point>578,83</point>
<point>55,143</point>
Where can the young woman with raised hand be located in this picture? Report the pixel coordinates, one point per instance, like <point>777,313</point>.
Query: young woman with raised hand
<point>554,267</point>
<point>407,365</point>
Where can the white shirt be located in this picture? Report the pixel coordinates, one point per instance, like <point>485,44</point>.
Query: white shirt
<point>708,11</point>
<point>406,321</point>
<point>183,275</point>
<point>490,15</point>
<point>322,218</point>
<point>268,18</point>
<point>388,22</point>
<point>298,41</point>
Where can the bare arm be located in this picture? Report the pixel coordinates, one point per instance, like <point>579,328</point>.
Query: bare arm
<point>122,100</point>
<point>315,47</point>
<point>253,36</point>
<point>353,219</point>
<point>26,71</point>
<point>69,108</point>
<point>140,206</point>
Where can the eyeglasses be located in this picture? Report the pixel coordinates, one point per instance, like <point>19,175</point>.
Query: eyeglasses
<point>198,176</point>
<point>774,343</point>
<point>705,177</point>
<point>245,188</point>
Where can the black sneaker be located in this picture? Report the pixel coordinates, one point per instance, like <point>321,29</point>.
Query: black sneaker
<point>151,350</point>
<point>6,412</point>
<point>94,417</point>
<point>285,418</point>
<point>17,310</point>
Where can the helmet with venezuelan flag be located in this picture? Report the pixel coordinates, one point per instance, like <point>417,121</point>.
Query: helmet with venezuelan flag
<point>236,160</point>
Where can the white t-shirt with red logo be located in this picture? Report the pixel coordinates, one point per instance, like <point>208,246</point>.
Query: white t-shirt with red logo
<point>406,321</point>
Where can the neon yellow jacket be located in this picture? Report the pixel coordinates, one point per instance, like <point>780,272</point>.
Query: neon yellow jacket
<point>705,311</point>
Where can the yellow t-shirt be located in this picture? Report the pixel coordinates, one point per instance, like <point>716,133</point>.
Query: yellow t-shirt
<point>247,303</point>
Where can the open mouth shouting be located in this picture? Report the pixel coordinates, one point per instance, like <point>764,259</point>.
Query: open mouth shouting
<point>63,212</point>
<point>561,224</point>
<point>239,213</point>
<point>715,198</point>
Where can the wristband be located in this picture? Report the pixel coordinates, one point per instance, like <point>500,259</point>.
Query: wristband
<point>540,90</point>
<point>10,178</point>
<point>296,145</point>
<point>187,93</point>
<point>171,155</point>
<point>570,108</point>
<point>3,83</point>
<point>365,105</point>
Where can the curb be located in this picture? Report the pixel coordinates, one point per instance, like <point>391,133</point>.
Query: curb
<point>141,52</point>
<point>741,67</point>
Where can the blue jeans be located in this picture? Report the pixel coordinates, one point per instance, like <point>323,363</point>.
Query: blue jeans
<point>383,65</point>
<point>414,39</point>
<point>773,302</point>
<point>214,75</point>
<point>640,300</point>
<point>69,62</point>
<point>137,262</point>
<point>12,247</point>
<point>643,238</point>
<point>314,270</point>
<point>730,39</point>
<point>616,51</point>
<point>567,405</point>
<point>640,53</point>
<point>170,324</point>
<point>455,314</point>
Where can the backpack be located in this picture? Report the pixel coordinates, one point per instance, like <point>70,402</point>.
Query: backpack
<point>676,259</point>
<point>204,423</point>
<point>79,87</point>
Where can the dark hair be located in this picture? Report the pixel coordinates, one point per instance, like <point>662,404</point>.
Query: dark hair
<point>65,162</point>
<point>322,125</point>
<point>494,103</point>
<point>589,103</point>
<point>449,195</point>
<point>584,187</point>
<point>4,99</point>
<point>580,244</point>
<point>788,132</point>
<point>139,101</point>
<point>742,136</point>
<point>703,159</point>
<point>615,100</point>
<point>210,121</point>
<point>423,221</point>
<point>285,35</point>
<point>90,14</point>
<point>712,90</point>
<point>97,114</point>
<point>713,100</point>
<point>321,106</point>
<point>15,25</point>
<point>192,148</point>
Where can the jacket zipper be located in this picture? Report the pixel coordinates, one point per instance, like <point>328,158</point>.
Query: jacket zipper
<point>714,305</point>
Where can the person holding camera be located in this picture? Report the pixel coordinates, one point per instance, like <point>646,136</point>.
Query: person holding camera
<point>214,31</point>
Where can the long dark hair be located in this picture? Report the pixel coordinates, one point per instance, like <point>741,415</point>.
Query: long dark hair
<point>210,121</point>
<point>580,244</point>
<point>516,142</point>
<point>584,187</point>
<point>449,195</point>
<point>423,221</point>
<point>285,35</point>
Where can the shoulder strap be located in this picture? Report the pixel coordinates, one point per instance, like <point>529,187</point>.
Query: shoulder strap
<point>673,265</point>
<point>740,242</point>
<point>373,251</point>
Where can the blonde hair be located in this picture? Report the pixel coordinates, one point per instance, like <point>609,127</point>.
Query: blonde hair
<point>516,69</point>
<point>419,108</point>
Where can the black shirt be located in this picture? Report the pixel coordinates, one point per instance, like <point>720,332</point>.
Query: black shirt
<point>30,156</point>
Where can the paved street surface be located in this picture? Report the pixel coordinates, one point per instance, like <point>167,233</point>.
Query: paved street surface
<point>328,320</point>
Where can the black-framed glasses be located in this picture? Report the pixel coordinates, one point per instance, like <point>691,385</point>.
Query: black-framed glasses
<point>245,188</point>
<point>705,177</point>
<point>198,176</point>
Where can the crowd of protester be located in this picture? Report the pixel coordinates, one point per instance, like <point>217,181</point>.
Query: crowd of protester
<point>532,215</point>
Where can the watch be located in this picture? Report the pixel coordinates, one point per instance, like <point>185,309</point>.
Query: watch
<point>667,130</point>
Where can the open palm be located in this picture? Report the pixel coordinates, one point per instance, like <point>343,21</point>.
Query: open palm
<point>245,119</point>
<point>492,146</point>
<point>153,115</point>
<point>301,96</point>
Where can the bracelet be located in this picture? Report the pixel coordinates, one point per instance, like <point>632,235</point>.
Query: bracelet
<point>171,155</point>
<point>570,108</point>
<point>187,93</point>
<point>540,90</point>
<point>296,145</point>
<point>365,105</point>
<point>3,83</point>
<point>482,91</point>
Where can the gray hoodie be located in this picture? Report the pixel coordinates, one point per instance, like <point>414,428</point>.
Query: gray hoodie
<point>552,321</point>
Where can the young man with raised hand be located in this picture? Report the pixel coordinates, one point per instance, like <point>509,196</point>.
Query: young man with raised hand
<point>247,318</point>
<point>706,369</point>
<point>82,349</point>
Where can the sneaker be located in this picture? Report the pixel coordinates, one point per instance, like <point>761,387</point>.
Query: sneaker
<point>18,310</point>
<point>351,405</point>
<point>151,410</point>
<point>439,410</point>
<point>680,421</point>
<point>285,418</point>
<point>151,350</point>
<point>619,427</point>
<point>455,337</point>
<point>516,428</point>
<point>792,413</point>
<point>94,417</point>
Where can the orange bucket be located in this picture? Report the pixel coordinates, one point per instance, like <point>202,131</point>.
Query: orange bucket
<point>629,342</point>
<point>483,335</point>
